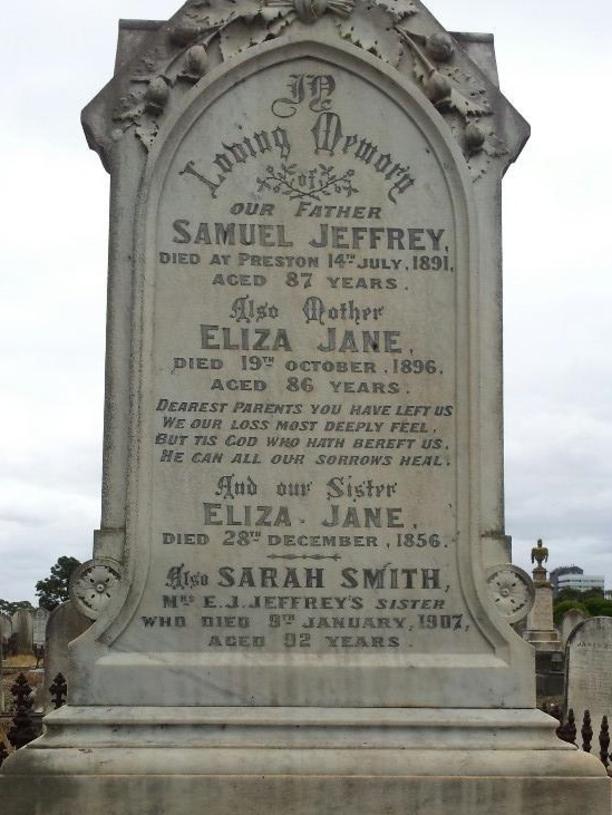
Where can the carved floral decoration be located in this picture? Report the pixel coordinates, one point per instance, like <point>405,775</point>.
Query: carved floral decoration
<point>93,584</point>
<point>380,27</point>
<point>511,591</point>
<point>307,185</point>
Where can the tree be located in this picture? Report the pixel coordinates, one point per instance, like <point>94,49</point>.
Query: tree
<point>53,590</point>
<point>8,607</point>
<point>563,606</point>
<point>591,602</point>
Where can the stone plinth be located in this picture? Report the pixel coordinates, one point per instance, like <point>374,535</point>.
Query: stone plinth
<point>540,631</point>
<point>421,762</point>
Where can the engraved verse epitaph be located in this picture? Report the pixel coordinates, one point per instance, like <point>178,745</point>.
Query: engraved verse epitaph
<point>302,400</point>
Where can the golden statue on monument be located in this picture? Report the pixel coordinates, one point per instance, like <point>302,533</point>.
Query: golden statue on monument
<point>539,553</point>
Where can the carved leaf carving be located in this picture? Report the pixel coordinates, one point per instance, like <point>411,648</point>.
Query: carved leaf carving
<point>270,13</point>
<point>469,107</point>
<point>147,131</point>
<point>217,12</point>
<point>398,8</point>
<point>370,27</point>
<point>381,27</point>
<point>239,36</point>
<point>421,72</point>
<point>495,147</point>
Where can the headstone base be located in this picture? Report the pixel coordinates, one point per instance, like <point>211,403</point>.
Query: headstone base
<point>544,640</point>
<point>299,761</point>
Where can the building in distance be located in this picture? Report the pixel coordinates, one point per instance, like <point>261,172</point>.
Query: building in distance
<point>573,577</point>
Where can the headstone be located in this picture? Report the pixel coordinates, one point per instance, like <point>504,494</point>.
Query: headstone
<point>6,628</point>
<point>589,669</point>
<point>65,624</point>
<point>569,621</point>
<point>22,627</point>
<point>301,588</point>
<point>39,627</point>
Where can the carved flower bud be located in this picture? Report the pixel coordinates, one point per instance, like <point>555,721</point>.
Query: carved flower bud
<point>156,96</point>
<point>440,47</point>
<point>438,88</point>
<point>474,138</point>
<point>196,63</point>
<point>184,34</point>
<point>309,11</point>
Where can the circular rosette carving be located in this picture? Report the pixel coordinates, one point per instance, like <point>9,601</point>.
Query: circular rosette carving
<point>511,591</point>
<point>93,585</point>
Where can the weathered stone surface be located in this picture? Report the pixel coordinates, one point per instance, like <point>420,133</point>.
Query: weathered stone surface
<point>305,760</point>
<point>22,626</point>
<point>570,620</point>
<point>39,626</point>
<point>65,625</point>
<point>541,631</point>
<point>305,421</point>
<point>588,665</point>
<point>6,627</point>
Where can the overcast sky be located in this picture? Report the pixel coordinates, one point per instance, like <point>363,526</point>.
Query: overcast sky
<point>555,63</point>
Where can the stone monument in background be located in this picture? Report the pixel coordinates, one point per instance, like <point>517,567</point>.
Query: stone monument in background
<point>588,665</point>
<point>301,588</point>
<point>65,624</point>
<point>569,621</point>
<point>23,629</point>
<point>6,629</point>
<point>543,635</point>
<point>541,631</point>
<point>40,618</point>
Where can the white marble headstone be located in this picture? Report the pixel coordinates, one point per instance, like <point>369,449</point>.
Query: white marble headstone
<point>588,666</point>
<point>23,626</point>
<point>65,624</point>
<point>569,621</point>
<point>6,626</point>
<point>39,626</point>
<point>304,514</point>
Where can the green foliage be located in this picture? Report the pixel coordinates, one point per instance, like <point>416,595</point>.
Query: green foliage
<point>562,607</point>
<point>7,607</point>
<point>599,607</point>
<point>576,594</point>
<point>592,603</point>
<point>53,590</point>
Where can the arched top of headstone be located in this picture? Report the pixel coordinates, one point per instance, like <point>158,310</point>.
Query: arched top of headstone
<point>569,621</point>
<point>158,62</point>
<point>600,627</point>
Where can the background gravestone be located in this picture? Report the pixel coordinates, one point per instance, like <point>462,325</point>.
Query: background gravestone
<point>6,628</point>
<point>569,621</point>
<point>39,627</point>
<point>301,588</point>
<point>22,627</point>
<point>588,665</point>
<point>65,624</point>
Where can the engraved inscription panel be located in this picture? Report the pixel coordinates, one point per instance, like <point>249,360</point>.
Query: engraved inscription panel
<point>306,401</point>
